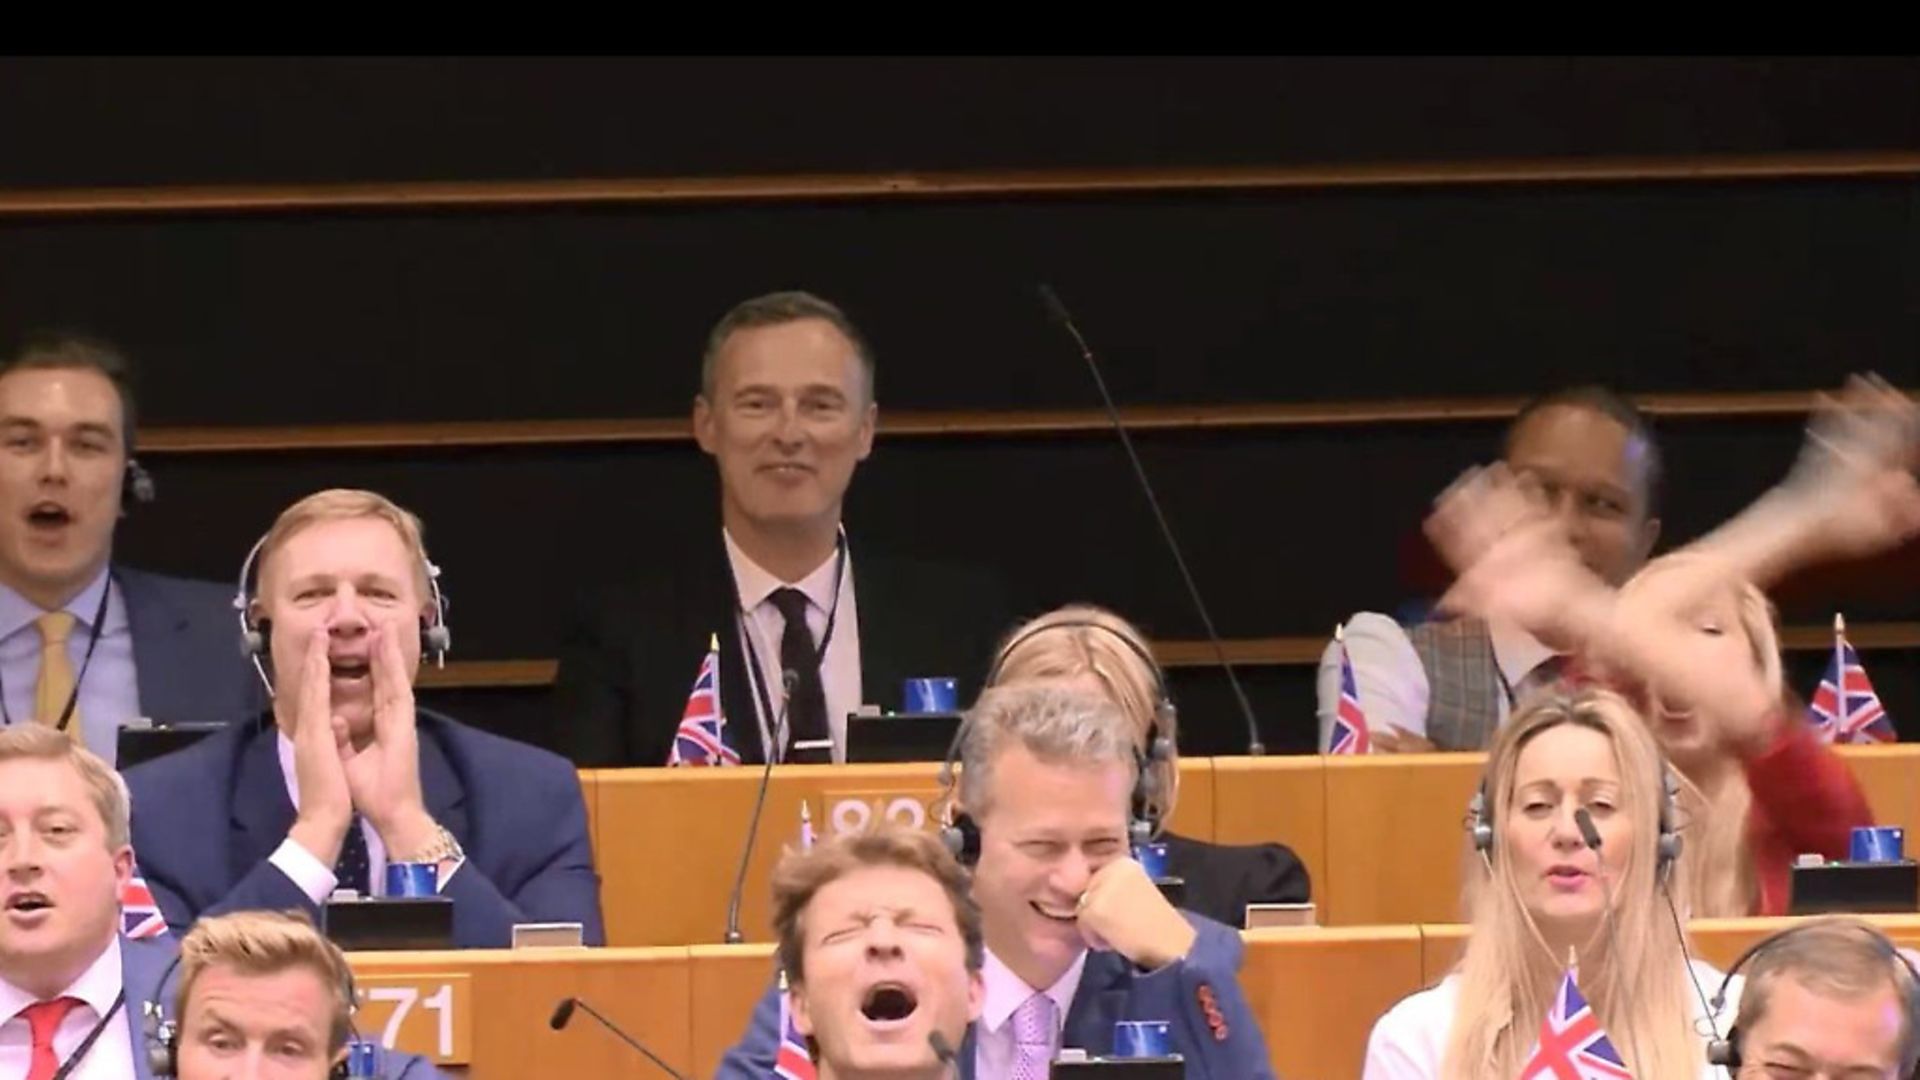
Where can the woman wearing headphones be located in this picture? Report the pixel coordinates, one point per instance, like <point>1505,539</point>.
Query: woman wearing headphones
<point>1097,652</point>
<point>1545,896</point>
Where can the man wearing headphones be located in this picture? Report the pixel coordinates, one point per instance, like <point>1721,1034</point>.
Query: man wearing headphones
<point>87,646</point>
<point>262,996</point>
<point>70,982</point>
<point>1832,997</point>
<point>1077,936</point>
<point>344,775</point>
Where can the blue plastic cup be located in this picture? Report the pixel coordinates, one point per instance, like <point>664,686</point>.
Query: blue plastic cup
<point>1878,843</point>
<point>931,695</point>
<point>412,879</point>
<point>1141,1039</point>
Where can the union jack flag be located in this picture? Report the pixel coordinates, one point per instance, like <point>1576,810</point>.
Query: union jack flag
<point>793,1062</point>
<point>1572,1046</point>
<point>702,736</point>
<point>1350,733</point>
<point>139,916</point>
<point>1845,708</point>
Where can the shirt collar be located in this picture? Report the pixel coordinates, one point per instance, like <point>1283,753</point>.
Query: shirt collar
<point>1516,651</point>
<point>18,613</point>
<point>1006,992</point>
<point>97,987</point>
<point>757,583</point>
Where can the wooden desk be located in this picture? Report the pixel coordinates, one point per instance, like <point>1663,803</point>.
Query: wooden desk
<point>1318,990</point>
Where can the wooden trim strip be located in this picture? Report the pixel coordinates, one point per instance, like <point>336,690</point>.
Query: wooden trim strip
<point>1249,652</point>
<point>436,195</point>
<point>455,434</point>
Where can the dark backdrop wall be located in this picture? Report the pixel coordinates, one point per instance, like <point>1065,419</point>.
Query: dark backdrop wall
<point>1330,293</point>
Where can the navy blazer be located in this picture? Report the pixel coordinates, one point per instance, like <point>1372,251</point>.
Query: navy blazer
<point>207,818</point>
<point>186,649</point>
<point>1210,1023</point>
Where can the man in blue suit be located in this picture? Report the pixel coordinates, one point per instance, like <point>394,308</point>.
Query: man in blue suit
<point>1077,936</point>
<point>84,645</point>
<point>344,775</point>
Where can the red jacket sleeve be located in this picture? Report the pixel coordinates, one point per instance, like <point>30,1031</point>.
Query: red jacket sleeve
<point>1804,797</point>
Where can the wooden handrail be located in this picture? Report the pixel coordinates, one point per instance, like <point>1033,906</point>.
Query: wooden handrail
<point>435,195</point>
<point>1250,652</point>
<point>450,434</point>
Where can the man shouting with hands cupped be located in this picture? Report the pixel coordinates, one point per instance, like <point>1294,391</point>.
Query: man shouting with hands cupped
<point>346,774</point>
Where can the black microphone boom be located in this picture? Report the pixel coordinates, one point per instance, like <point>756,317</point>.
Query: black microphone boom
<point>1058,310</point>
<point>942,1049</point>
<point>564,1012</point>
<point>776,739</point>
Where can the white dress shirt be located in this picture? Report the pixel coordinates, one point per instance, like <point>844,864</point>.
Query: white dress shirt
<point>1392,684</point>
<point>110,1057</point>
<point>839,668</point>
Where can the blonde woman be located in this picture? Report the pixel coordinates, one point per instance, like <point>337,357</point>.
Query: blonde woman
<point>1093,651</point>
<point>1543,897</point>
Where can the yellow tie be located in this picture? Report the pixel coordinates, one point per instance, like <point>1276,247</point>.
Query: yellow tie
<point>56,671</point>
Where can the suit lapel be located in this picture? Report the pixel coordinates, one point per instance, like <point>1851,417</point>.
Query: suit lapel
<point>1100,1000</point>
<point>157,628</point>
<point>440,784</point>
<point>262,811</point>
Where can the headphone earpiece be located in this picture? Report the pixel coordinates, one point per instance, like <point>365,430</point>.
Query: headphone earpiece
<point>1725,1051</point>
<point>136,484</point>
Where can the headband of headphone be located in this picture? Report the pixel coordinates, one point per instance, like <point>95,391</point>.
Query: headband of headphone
<point>162,1036</point>
<point>435,639</point>
<point>1725,1051</point>
<point>958,830</point>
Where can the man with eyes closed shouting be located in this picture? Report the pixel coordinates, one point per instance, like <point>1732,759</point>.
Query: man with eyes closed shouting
<point>345,774</point>
<point>1077,937</point>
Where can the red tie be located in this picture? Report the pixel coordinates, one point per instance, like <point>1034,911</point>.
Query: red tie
<point>43,1018</point>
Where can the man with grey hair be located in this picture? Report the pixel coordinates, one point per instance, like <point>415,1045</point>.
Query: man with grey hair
<point>808,628</point>
<point>1078,938</point>
<point>1832,997</point>
<point>65,968</point>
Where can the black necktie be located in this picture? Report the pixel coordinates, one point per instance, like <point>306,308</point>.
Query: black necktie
<point>355,867</point>
<point>807,704</point>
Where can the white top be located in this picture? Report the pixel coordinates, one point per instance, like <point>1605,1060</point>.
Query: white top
<point>1409,1041</point>
<point>110,1057</point>
<point>1390,681</point>
<point>993,1041</point>
<point>839,668</point>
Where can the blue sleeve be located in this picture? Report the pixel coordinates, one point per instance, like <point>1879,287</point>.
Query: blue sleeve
<point>264,888</point>
<point>1231,1048</point>
<point>564,888</point>
<point>752,1058</point>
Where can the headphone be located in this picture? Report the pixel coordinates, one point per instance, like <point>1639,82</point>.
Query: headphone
<point>1725,1051</point>
<point>435,639</point>
<point>1666,848</point>
<point>162,1036</point>
<point>961,834</point>
<point>136,484</point>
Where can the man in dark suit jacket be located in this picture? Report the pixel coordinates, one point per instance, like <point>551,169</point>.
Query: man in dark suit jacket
<point>1045,791</point>
<point>786,410</point>
<point>84,645</point>
<point>345,775</point>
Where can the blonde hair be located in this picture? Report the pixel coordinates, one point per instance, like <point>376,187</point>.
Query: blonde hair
<point>1718,863</point>
<point>40,743</point>
<point>346,504</point>
<point>1081,639</point>
<point>267,943</point>
<point>1639,989</point>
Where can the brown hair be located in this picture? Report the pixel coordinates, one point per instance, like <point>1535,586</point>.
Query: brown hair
<point>800,875</point>
<point>64,350</point>
<point>778,309</point>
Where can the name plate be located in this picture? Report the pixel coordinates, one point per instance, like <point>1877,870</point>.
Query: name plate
<point>910,803</point>
<point>430,1015</point>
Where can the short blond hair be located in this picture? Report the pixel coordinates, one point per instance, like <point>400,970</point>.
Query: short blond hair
<point>40,743</point>
<point>267,943</point>
<point>346,504</point>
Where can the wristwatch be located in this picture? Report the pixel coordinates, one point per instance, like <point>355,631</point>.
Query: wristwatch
<point>444,848</point>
